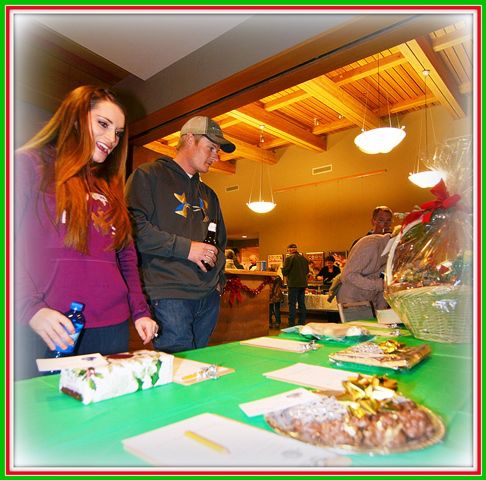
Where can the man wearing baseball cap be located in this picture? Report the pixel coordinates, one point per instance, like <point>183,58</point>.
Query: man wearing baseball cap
<point>171,209</point>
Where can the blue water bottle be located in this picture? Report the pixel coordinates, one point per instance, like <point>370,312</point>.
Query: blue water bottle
<point>76,316</point>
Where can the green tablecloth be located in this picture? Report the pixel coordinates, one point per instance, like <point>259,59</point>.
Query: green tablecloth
<point>54,430</point>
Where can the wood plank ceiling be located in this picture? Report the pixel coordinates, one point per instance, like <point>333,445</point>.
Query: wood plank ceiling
<point>368,93</point>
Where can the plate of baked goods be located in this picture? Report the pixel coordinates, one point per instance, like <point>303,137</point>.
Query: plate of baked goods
<point>370,417</point>
<point>390,354</point>
<point>336,332</point>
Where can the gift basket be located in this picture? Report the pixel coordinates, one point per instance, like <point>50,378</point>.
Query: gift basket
<point>429,268</point>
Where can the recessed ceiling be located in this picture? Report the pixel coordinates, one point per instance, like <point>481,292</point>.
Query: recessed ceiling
<point>142,44</point>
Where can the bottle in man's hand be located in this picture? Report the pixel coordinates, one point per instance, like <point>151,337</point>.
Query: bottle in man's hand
<point>211,240</point>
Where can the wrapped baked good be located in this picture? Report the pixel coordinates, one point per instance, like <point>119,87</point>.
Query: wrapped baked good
<point>387,354</point>
<point>370,417</point>
<point>429,268</point>
<point>124,373</point>
<point>336,331</point>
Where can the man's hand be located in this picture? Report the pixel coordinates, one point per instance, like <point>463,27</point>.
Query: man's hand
<point>200,252</point>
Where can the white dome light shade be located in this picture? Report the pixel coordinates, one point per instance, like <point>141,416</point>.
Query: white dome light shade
<point>261,207</point>
<point>379,140</point>
<point>426,179</point>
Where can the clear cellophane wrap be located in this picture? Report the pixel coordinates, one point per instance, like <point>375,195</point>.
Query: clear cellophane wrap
<point>430,267</point>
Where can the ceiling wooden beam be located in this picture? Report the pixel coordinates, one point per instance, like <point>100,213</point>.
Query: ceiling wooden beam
<point>409,104</point>
<point>243,149</point>
<point>452,39</point>
<point>390,61</point>
<point>275,143</point>
<point>168,151</point>
<point>286,100</point>
<point>421,55</point>
<point>279,127</point>
<point>327,92</point>
<point>161,148</point>
<point>250,152</point>
<point>332,126</point>
<point>228,167</point>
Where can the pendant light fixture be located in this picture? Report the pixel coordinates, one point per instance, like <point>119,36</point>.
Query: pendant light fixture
<point>258,204</point>
<point>381,139</point>
<point>424,178</point>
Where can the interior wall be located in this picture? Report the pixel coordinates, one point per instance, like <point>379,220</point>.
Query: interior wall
<point>28,120</point>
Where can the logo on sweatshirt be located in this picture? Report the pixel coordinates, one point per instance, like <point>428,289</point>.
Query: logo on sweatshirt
<point>184,206</point>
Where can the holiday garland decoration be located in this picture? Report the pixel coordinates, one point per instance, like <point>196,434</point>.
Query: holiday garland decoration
<point>235,287</point>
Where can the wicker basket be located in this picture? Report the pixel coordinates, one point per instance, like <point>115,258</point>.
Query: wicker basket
<point>441,313</point>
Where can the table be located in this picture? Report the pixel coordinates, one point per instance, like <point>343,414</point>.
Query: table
<point>54,430</point>
<point>314,301</point>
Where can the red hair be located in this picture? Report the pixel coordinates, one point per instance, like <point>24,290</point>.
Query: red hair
<point>73,174</point>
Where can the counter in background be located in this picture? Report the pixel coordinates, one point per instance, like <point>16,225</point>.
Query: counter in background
<point>243,315</point>
<point>314,301</point>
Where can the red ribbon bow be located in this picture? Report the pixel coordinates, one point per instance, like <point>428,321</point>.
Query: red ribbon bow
<point>233,286</point>
<point>444,200</point>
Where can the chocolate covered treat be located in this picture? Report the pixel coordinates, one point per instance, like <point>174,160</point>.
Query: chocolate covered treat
<point>369,417</point>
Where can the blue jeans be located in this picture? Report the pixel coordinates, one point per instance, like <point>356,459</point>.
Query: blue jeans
<point>274,311</point>
<point>297,295</point>
<point>185,324</point>
<point>104,340</point>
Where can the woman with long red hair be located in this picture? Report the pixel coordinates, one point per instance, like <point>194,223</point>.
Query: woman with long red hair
<point>72,232</point>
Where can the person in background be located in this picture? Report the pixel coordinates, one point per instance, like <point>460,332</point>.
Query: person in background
<point>171,209</point>
<point>362,278</point>
<point>296,269</point>
<point>72,233</point>
<point>381,222</point>
<point>237,259</point>
<point>276,298</point>
<point>253,262</point>
<point>328,272</point>
<point>230,258</point>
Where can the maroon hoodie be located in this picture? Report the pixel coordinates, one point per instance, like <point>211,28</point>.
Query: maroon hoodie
<point>48,274</point>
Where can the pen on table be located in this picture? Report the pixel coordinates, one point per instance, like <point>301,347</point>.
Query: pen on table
<point>205,441</point>
<point>191,376</point>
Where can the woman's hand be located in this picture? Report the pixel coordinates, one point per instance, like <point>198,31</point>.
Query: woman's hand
<point>53,327</point>
<point>147,329</point>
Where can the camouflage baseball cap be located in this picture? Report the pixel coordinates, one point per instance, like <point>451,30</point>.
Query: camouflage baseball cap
<point>210,129</point>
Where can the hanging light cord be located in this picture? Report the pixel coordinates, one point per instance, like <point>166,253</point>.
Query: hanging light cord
<point>260,144</point>
<point>426,74</point>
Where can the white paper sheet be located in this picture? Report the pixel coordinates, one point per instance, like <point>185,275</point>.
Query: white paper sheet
<point>323,378</point>
<point>90,360</point>
<point>278,402</point>
<point>186,371</point>
<point>278,344</point>
<point>233,444</point>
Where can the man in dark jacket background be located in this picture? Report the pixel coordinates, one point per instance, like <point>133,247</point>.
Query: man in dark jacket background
<point>296,269</point>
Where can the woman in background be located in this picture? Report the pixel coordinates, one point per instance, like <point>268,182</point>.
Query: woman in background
<point>72,233</point>
<point>328,272</point>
